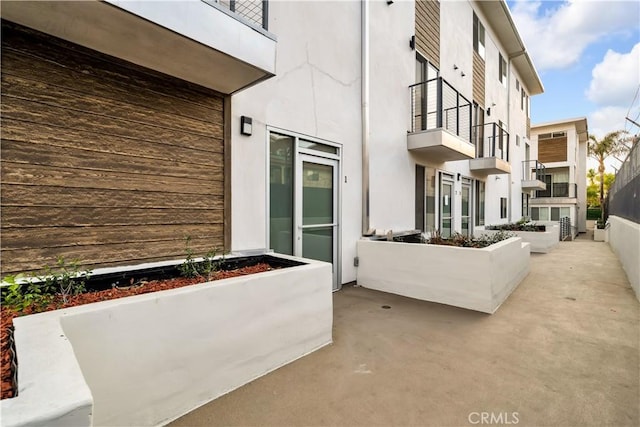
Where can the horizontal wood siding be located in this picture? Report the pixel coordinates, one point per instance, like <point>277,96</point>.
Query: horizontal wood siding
<point>428,30</point>
<point>103,160</point>
<point>478,79</point>
<point>552,150</point>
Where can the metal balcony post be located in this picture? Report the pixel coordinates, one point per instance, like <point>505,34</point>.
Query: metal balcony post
<point>508,136</point>
<point>439,103</point>
<point>493,145</point>
<point>265,14</point>
<point>232,5</point>
<point>458,114</point>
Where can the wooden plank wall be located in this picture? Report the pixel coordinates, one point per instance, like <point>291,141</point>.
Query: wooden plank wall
<point>478,79</point>
<point>552,150</point>
<point>428,30</point>
<point>103,160</point>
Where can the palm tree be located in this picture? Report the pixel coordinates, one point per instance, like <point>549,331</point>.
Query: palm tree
<point>600,150</point>
<point>591,174</point>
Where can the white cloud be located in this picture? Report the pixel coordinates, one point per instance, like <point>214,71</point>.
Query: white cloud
<point>557,38</point>
<point>615,79</point>
<point>606,119</point>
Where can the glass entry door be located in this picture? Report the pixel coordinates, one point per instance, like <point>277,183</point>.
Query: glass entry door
<point>466,206</point>
<point>317,210</point>
<point>446,205</point>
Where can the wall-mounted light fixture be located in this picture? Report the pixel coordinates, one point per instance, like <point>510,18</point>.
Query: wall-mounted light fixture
<point>412,42</point>
<point>246,125</point>
<point>389,2</point>
<point>455,67</point>
<point>462,74</point>
<point>458,176</point>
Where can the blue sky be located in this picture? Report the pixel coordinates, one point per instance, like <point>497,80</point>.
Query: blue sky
<point>588,56</point>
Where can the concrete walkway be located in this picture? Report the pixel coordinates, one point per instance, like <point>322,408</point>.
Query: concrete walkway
<point>563,350</point>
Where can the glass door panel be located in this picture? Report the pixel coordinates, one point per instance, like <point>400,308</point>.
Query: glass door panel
<point>466,203</point>
<point>446,206</point>
<point>317,213</point>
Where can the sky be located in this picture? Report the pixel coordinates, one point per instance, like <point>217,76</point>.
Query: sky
<point>587,53</point>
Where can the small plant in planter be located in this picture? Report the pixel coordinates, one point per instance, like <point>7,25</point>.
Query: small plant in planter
<point>191,268</point>
<point>460,240</point>
<point>522,225</point>
<point>600,224</point>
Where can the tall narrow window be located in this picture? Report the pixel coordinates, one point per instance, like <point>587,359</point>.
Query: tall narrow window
<point>503,207</point>
<point>420,197</point>
<point>525,205</point>
<point>502,69</point>
<point>480,187</point>
<point>478,129</point>
<point>281,149</point>
<point>478,36</point>
<point>522,98</point>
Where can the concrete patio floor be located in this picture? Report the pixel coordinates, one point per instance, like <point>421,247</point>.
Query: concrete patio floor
<point>563,350</point>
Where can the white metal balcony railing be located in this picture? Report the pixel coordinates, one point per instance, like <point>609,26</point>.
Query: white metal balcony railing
<point>435,104</point>
<point>558,189</point>
<point>533,170</point>
<point>491,140</point>
<point>255,11</point>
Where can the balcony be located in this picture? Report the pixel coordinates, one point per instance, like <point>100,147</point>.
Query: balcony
<point>492,150</point>
<point>440,122</point>
<point>533,173</point>
<point>220,45</point>
<point>557,192</point>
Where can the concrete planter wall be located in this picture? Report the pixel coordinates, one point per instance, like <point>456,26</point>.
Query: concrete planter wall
<point>148,359</point>
<point>599,234</point>
<point>624,238</point>
<point>541,241</point>
<point>476,279</point>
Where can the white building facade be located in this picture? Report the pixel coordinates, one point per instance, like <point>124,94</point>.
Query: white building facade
<point>381,117</point>
<point>292,126</point>
<point>561,146</point>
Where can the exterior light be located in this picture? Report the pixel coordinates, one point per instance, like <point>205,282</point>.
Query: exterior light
<point>246,126</point>
<point>412,42</point>
<point>389,2</point>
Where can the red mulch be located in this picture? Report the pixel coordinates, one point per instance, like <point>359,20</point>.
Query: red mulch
<point>7,315</point>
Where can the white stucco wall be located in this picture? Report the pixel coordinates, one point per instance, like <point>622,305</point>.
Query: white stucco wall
<point>316,92</point>
<point>624,239</point>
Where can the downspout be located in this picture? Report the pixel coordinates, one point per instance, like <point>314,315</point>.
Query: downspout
<point>510,148</point>
<point>364,69</point>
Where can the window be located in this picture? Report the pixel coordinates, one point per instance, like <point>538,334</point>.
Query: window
<point>425,199</point>
<point>503,207</point>
<point>522,99</point>
<point>502,69</point>
<point>540,214</point>
<point>525,205</point>
<point>281,152</point>
<point>557,213</point>
<point>517,140</point>
<point>478,36</point>
<point>480,186</point>
<point>420,197</point>
<point>552,135</point>
<point>518,85</point>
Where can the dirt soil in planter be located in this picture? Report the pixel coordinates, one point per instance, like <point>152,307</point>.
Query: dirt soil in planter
<point>7,315</point>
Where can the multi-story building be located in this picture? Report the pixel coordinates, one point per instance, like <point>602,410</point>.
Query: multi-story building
<point>128,125</point>
<point>561,147</point>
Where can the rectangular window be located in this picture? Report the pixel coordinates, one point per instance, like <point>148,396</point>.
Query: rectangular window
<point>480,187</point>
<point>518,85</point>
<point>535,214</point>
<point>564,212</point>
<point>478,36</point>
<point>518,140</point>
<point>522,99</point>
<point>502,69</point>
<point>503,207</point>
<point>555,214</point>
<point>525,205</point>
<point>281,152</point>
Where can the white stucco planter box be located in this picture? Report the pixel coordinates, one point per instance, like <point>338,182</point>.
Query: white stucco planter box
<point>541,241</point>
<point>599,234</point>
<point>148,359</point>
<point>475,279</point>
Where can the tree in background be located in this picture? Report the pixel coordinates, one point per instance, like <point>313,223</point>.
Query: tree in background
<point>593,187</point>
<point>610,145</point>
